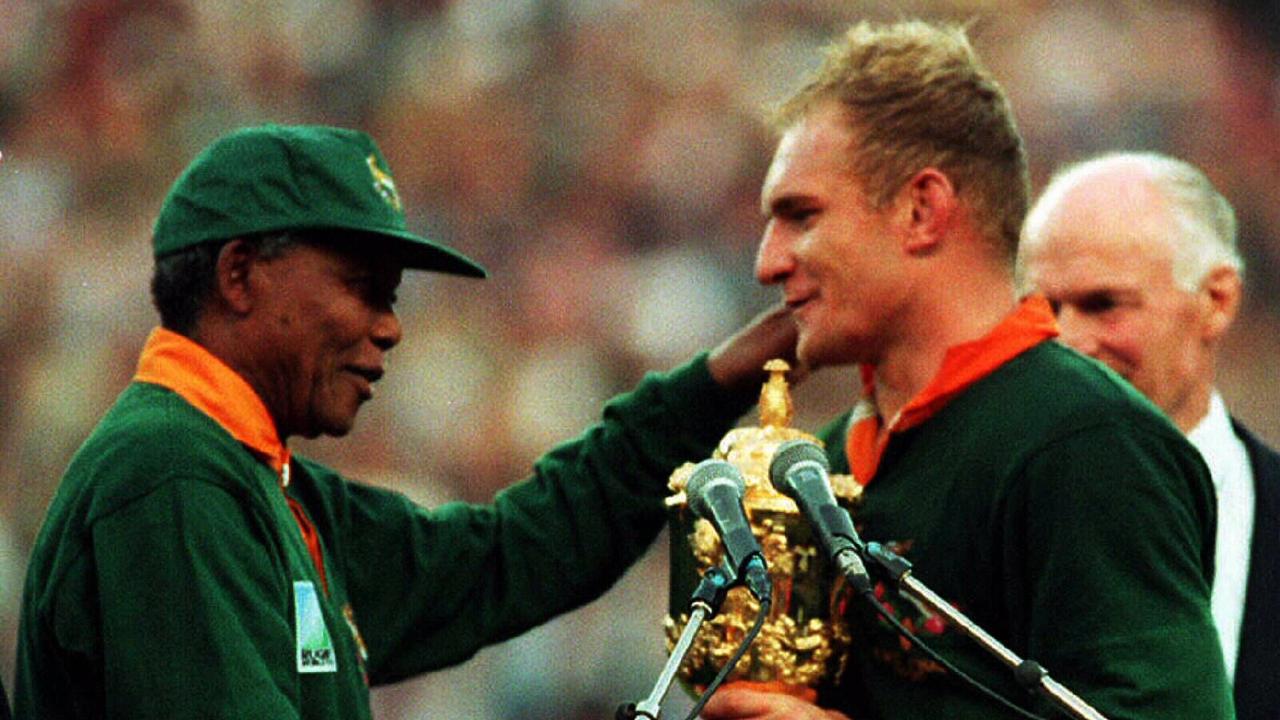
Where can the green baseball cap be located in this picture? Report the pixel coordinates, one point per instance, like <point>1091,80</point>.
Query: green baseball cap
<point>295,177</point>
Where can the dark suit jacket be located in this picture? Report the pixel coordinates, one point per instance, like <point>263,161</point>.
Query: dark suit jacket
<point>1257,681</point>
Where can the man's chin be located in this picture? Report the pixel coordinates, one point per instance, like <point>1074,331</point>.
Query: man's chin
<point>329,428</point>
<point>338,431</point>
<point>813,354</point>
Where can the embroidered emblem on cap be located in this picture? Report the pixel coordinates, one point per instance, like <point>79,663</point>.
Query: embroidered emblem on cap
<point>383,183</point>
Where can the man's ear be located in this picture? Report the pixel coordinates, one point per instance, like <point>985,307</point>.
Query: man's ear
<point>231,284</point>
<point>1220,296</point>
<point>930,203</point>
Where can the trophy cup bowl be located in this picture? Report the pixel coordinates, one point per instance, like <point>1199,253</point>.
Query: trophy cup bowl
<point>803,641</point>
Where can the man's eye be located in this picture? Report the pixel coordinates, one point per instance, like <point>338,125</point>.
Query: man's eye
<point>1097,304</point>
<point>373,292</point>
<point>384,294</point>
<point>802,216</point>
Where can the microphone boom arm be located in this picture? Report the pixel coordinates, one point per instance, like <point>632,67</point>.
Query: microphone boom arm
<point>799,469</point>
<point>704,603</point>
<point>1029,673</point>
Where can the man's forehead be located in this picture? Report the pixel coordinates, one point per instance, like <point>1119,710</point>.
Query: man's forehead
<point>1115,199</point>
<point>1086,247</point>
<point>1089,222</point>
<point>1066,270</point>
<point>816,145</point>
<point>361,254</point>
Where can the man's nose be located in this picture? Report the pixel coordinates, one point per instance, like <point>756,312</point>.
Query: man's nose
<point>774,259</point>
<point>387,330</point>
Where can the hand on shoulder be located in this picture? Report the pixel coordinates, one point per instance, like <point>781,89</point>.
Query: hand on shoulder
<point>739,361</point>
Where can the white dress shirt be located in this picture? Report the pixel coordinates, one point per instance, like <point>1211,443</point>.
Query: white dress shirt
<point>1228,463</point>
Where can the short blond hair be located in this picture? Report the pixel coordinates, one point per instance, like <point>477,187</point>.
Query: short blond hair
<point>918,96</point>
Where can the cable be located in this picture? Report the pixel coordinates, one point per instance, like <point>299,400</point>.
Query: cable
<point>898,626</point>
<point>946,664</point>
<point>733,661</point>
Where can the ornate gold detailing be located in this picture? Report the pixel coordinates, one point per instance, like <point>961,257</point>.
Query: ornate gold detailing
<point>803,640</point>
<point>793,647</point>
<point>775,397</point>
<point>751,450</point>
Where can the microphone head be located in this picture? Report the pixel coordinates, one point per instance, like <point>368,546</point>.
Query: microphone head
<point>788,455</point>
<point>706,475</point>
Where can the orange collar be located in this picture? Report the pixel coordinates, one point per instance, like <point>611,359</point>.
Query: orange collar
<point>180,364</point>
<point>1029,324</point>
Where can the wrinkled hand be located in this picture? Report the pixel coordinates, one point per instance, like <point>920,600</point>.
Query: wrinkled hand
<point>735,703</point>
<point>738,362</point>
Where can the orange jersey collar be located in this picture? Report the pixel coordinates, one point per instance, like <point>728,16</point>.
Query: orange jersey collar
<point>1029,324</point>
<point>180,364</point>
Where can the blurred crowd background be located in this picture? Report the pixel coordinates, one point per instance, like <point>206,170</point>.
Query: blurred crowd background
<point>602,157</point>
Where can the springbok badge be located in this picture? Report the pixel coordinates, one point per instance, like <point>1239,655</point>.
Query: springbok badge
<point>383,183</point>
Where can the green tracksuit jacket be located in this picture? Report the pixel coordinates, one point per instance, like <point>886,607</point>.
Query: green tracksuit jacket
<point>170,580</point>
<point>1056,508</point>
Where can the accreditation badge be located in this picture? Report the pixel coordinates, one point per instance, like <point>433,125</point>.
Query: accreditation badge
<point>314,646</point>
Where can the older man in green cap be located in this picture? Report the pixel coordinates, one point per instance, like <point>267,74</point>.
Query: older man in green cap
<point>191,566</point>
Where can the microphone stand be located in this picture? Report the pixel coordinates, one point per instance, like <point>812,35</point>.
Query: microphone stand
<point>1030,674</point>
<point>705,603</point>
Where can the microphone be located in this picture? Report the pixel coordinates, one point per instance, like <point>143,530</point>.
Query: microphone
<point>715,494</point>
<point>800,471</point>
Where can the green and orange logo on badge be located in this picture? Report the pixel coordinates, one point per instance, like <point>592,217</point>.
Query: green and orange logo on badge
<point>315,647</point>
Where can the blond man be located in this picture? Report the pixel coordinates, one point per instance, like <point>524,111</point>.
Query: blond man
<point>1028,486</point>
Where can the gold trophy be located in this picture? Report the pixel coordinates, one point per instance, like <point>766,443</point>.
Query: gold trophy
<point>803,641</point>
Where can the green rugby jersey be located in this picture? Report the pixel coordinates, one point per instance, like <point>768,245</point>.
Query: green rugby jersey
<point>1058,509</point>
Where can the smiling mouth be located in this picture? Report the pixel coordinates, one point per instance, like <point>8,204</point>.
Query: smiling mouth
<point>373,375</point>
<point>369,376</point>
<point>794,304</point>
